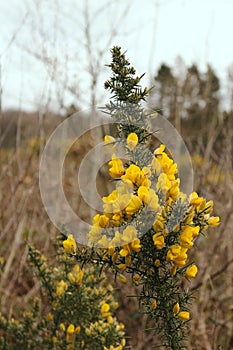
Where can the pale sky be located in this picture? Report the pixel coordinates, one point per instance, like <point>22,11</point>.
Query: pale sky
<point>152,31</point>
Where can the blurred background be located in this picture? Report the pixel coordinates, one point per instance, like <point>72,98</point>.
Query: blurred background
<point>53,57</point>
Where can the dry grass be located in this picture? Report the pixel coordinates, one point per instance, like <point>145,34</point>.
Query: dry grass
<point>23,217</point>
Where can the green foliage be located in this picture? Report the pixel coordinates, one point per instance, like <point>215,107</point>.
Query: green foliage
<point>156,223</point>
<point>75,310</point>
<point>123,84</point>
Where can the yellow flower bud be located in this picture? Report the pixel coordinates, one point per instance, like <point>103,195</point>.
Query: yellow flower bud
<point>54,339</point>
<point>158,240</point>
<point>105,308</point>
<point>114,257</point>
<point>62,327</point>
<point>184,315</point>
<point>132,141</point>
<point>135,245</point>
<point>70,245</point>
<point>87,331</point>
<point>122,278</point>
<point>121,267</point>
<point>116,167</point>
<point>136,277</point>
<point>214,221</point>
<point>61,287</point>
<point>176,308</point>
<point>77,329</point>
<point>154,305</point>
<point>109,139</point>
<point>71,329</point>
<point>128,260</point>
<point>173,270</point>
<point>49,316</point>
<point>110,320</point>
<point>143,193</point>
<point>191,271</point>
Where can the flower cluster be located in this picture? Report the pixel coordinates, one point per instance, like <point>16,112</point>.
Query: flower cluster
<point>148,226</point>
<point>79,312</point>
<point>146,230</point>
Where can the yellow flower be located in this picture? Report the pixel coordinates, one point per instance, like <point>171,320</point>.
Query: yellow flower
<point>132,141</point>
<point>109,139</point>
<point>158,239</point>
<point>62,327</point>
<point>184,315</point>
<point>173,252</point>
<point>129,234</point>
<point>214,221</point>
<point>175,190</point>
<point>121,267</point>
<point>157,263</point>
<point>70,346</point>
<point>176,308</point>
<point>71,329</point>
<point>111,250</point>
<point>143,193</point>
<point>136,177</point>
<point>87,331</point>
<point>70,245</point>
<point>104,242</point>
<point>135,245</point>
<point>94,234</point>
<point>190,231</point>
<point>160,149</point>
<point>116,167</point>
<point>54,339</point>
<point>159,224</point>
<point>156,166</point>
<point>61,287</point>
<point>49,316</point>
<point>136,277</point>
<point>76,276</point>
<point>134,205</point>
<point>186,239</point>
<point>105,310</point>
<point>182,258</point>
<point>110,320</point>
<point>197,201</point>
<point>77,329</point>
<point>125,251</point>
<point>128,260</point>
<point>111,197</point>
<point>191,271</point>
<point>100,220</point>
<point>122,278</point>
<point>119,347</point>
<point>163,183</point>
<point>162,163</point>
<point>154,305</point>
<point>116,241</point>
<point>115,257</point>
<point>209,207</point>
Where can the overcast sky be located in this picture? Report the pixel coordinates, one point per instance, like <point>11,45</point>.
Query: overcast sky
<point>35,31</point>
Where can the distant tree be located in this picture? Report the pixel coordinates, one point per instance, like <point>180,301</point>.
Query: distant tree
<point>191,102</point>
<point>164,93</point>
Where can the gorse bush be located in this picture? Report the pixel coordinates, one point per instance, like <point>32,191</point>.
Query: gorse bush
<point>148,225</point>
<point>144,235</point>
<point>75,312</point>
